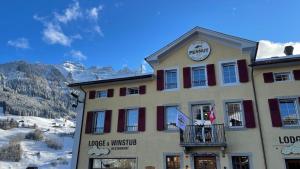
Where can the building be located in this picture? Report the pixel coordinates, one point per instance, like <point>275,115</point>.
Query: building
<point>130,122</point>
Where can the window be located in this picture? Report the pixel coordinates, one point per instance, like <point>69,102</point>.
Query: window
<point>229,73</point>
<point>234,114</point>
<point>292,163</point>
<point>132,90</point>
<point>240,162</point>
<point>99,122</point>
<point>198,76</point>
<point>282,76</point>
<point>132,120</point>
<point>119,163</point>
<point>101,94</point>
<point>171,79</point>
<point>171,117</point>
<point>173,162</point>
<point>288,111</point>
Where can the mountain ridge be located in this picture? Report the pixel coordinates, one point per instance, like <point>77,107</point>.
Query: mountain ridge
<point>40,89</point>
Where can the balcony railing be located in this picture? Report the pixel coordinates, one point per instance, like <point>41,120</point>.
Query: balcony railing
<point>203,135</point>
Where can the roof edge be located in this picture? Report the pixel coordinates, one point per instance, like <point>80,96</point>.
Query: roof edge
<point>144,76</point>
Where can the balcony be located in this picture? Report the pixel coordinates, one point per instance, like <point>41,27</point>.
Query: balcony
<point>203,136</point>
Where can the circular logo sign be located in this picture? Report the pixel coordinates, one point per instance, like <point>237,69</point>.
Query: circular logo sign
<point>199,50</point>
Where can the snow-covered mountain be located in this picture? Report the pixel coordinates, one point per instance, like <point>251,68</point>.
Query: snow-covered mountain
<point>77,72</point>
<point>41,89</point>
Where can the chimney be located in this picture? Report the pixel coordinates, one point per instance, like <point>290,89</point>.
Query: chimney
<point>288,50</point>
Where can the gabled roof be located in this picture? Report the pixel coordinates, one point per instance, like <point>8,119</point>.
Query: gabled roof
<point>244,43</point>
<point>121,79</point>
<point>275,61</point>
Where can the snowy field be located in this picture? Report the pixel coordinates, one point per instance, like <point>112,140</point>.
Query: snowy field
<point>37,152</point>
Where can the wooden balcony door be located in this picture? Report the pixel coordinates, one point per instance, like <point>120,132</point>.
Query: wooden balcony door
<point>201,117</point>
<point>205,162</point>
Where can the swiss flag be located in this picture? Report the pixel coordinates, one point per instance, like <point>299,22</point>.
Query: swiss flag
<point>212,114</point>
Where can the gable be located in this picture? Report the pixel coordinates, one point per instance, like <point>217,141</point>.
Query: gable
<point>202,34</point>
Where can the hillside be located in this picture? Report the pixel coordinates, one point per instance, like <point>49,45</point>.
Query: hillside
<point>41,89</point>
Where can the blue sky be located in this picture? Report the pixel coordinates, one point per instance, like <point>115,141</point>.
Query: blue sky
<point>123,32</point>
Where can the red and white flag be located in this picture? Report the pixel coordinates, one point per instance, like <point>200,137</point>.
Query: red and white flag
<point>212,114</point>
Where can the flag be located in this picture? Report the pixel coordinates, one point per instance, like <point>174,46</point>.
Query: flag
<point>182,120</point>
<point>212,114</point>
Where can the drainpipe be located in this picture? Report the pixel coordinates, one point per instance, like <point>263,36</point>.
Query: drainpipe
<point>81,124</point>
<point>258,116</point>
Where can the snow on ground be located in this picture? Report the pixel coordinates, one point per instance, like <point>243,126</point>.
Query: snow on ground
<point>37,152</point>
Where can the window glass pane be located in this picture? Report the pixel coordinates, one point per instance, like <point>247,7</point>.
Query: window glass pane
<point>99,122</point>
<point>132,120</point>
<point>229,73</point>
<point>234,113</point>
<point>284,76</point>
<point>240,162</point>
<point>114,163</point>
<point>199,76</point>
<point>101,93</point>
<point>171,79</point>
<point>173,162</point>
<point>288,111</point>
<point>133,90</point>
<point>171,116</point>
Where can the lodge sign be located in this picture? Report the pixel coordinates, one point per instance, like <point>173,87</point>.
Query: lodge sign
<point>288,139</point>
<point>199,50</point>
<point>103,147</point>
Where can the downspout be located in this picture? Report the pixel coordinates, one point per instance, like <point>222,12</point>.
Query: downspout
<point>258,116</point>
<point>81,126</point>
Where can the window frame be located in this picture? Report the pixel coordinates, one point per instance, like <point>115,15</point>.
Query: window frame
<point>167,154</point>
<point>282,81</point>
<point>134,88</point>
<point>297,109</point>
<point>94,127</point>
<point>249,155</point>
<point>126,120</point>
<point>205,74</point>
<point>177,81</point>
<point>99,91</point>
<point>227,115</point>
<point>221,73</point>
<point>166,119</point>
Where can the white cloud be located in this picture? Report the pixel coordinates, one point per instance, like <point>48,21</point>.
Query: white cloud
<point>73,12</point>
<point>21,43</point>
<point>78,55</point>
<point>93,13</point>
<point>268,48</point>
<point>145,67</point>
<point>57,24</point>
<point>53,34</point>
<point>98,30</point>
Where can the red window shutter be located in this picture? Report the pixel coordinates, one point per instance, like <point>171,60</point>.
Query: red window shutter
<point>121,120</point>
<point>123,91</point>
<point>160,118</point>
<point>89,122</point>
<point>107,121</point>
<point>92,94</point>
<point>142,89</point>
<point>275,113</point>
<point>110,93</point>
<point>268,77</point>
<point>142,119</point>
<point>243,70</point>
<point>249,113</point>
<point>211,75</point>
<point>296,74</point>
<point>187,82</point>
<point>160,80</point>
